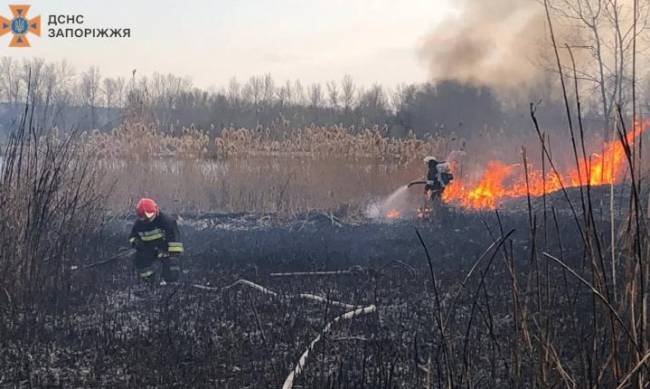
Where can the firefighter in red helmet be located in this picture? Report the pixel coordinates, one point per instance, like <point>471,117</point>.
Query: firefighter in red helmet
<point>155,236</point>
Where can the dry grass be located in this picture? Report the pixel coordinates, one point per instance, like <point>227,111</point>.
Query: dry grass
<point>257,171</point>
<point>324,143</point>
<point>142,142</point>
<point>49,204</point>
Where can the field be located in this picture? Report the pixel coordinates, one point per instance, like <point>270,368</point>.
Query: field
<point>290,281</point>
<point>238,336</point>
<point>370,195</point>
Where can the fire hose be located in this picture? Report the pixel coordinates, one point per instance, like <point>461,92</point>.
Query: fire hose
<point>417,182</point>
<point>123,253</point>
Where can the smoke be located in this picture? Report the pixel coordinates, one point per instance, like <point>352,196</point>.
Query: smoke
<point>401,202</point>
<point>488,43</point>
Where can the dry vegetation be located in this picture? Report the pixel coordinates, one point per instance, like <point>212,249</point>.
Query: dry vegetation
<point>257,170</point>
<point>551,292</point>
<point>49,205</point>
<point>328,143</point>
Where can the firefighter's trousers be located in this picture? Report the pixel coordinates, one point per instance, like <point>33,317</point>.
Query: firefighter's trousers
<point>146,263</point>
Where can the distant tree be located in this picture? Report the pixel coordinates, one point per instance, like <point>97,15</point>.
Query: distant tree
<point>268,92</point>
<point>315,95</point>
<point>299,94</point>
<point>283,95</point>
<point>234,92</point>
<point>9,80</point>
<point>32,75</point>
<point>372,105</point>
<point>333,94</point>
<point>347,92</point>
<point>90,92</point>
<point>109,87</point>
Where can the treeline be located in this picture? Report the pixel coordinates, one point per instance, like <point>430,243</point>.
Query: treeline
<point>65,98</point>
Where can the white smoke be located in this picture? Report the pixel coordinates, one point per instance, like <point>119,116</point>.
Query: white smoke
<point>402,200</point>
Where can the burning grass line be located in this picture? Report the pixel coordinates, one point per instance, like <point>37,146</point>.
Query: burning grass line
<point>288,383</point>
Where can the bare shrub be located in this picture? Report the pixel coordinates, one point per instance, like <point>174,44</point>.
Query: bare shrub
<point>48,206</point>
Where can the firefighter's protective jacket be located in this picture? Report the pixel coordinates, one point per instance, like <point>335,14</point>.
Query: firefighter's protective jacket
<point>159,236</point>
<point>439,175</point>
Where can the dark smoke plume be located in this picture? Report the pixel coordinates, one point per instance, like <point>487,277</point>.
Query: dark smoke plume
<point>491,43</point>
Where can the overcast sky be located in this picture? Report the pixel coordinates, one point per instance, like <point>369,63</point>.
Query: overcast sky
<point>213,40</point>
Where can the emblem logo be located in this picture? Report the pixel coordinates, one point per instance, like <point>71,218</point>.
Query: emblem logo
<point>20,26</point>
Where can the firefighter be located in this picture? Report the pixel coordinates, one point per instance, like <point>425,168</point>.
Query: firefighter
<point>155,236</point>
<point>438,177</point>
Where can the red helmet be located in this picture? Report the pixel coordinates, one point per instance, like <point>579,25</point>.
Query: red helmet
<point>147,209</point>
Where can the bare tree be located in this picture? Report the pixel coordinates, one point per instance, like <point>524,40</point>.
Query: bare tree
<point>109,88</point>
<point>9,80</point>
<point>315,95</point>
<point>90,92</point>
<point>282,96</point>
<point>32,74</point>
<point>348,90</point>
<point>234,91</point>
<point>254,90</point>
<point>299,93</point>
<point>269,90</point>
<point>333,94</point>
<point>372,104</point>
<point>607,34</point>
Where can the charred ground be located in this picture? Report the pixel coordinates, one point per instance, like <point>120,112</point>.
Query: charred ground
<point>235,337</point>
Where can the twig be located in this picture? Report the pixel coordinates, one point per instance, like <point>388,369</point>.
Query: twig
<point>438,315</point>
<point>597,294</point>
<point>498,243</point>
<point>633,371</point>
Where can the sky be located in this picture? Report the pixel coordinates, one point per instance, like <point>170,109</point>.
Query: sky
<point>375,41</point>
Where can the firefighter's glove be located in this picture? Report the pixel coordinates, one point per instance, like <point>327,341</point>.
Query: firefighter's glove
<point>137,244</point>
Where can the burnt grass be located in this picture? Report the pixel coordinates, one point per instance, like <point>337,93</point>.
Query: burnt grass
<point>111,331</point>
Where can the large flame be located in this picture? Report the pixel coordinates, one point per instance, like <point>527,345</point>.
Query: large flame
<point>501,181</point>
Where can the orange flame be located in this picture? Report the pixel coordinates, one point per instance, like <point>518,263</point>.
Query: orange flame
<point>501,181</point>
<point>392,214</point>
